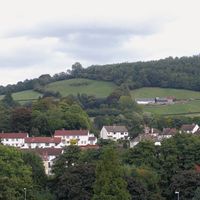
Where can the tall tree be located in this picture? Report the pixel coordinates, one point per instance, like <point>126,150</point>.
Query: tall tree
<point>109,184</point>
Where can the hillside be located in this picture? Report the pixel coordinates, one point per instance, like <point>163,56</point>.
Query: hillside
<point>189,106</point>
<point>151,92</point>
<point>75,86</point>
<point>24,96</point>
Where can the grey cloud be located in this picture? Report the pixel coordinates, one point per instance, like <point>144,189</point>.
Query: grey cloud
<point>23,58</point>
<point>94,42</point>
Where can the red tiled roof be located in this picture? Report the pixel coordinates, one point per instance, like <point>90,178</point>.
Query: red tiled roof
<point>13,135</point>
<point>48,151</point>
<point>42,140</point>
<point>70,132</point>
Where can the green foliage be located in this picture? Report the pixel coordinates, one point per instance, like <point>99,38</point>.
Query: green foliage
<point>197,194</point>
<point>186,182</point>
<point>21,119</point>
<point>76,183</point>
<point>70,157</point>
<point>109,182</point>
<point>15,175</point>
<point>8,100</point>
<point>35,162</point>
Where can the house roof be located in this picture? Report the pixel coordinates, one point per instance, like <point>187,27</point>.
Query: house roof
<point>42,140</point>
<point>187,127</point>
<point>13,135</point>
<point>92,138</point>
<point>116,128</point>
<point>70,132</point>
<point>48,151</point>
<point>45,152</point>
<point>169,131</point>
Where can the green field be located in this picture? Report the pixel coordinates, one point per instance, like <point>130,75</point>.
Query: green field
<point>190,107</point>
<point>24,95</point>
<point>164,92</point>
<point>75,86</point>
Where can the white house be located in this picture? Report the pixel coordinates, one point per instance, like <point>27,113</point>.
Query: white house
<point>80,137</point>
<point>42,142</point>
<point>114,132</point>
<point>189,128</point>
<point>13,139</point>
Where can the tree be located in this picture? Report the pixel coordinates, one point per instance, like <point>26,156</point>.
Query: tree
<point>109,184</point>
<point>8,100</point>
<point>197,194</point>
<point>15,175</point>
<point>70,157</point>
<point>186,182</point>
<point>35,162</point>
<point>76,183</point>
<point>21,119</point>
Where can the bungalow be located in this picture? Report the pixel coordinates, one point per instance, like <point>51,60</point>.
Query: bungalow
<point>78,137</point>
<point>42,142</point>
<point>13,139</point>
<point>114,132</point>
<point>189,128</point>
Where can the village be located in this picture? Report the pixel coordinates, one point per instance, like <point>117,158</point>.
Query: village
<point>49,148</point>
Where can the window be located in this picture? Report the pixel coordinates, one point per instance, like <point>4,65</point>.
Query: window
<point>46,144</point>
<point>122,133</point>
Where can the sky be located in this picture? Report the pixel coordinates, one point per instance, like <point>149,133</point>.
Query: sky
<point>48,36</point>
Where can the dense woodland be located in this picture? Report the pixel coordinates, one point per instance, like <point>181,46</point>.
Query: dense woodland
<point>170,72</point>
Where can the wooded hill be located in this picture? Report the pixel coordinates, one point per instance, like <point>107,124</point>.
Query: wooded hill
<point>183,73</point>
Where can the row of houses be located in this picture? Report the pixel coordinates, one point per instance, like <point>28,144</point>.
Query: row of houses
<point>60,139</point>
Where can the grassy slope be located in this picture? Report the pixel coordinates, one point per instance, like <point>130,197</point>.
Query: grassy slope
<point>163,92</point>
<point>97,88</point>
<point>188,107</point>
<point>191,106</point>
<point>24,95</point>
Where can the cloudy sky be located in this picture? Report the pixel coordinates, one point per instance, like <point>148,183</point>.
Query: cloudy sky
<point>48,36</point>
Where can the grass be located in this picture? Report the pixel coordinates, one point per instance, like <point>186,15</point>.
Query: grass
<point>191,107</point>
<point>24,95</point>
<point>164,92</point>
<point>75,86</point>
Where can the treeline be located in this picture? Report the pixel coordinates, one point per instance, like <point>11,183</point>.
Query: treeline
<point>43,116</point>
<point>182,73</point>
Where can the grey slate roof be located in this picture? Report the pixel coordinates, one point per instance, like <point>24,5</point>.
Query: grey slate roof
<point>115,128</point>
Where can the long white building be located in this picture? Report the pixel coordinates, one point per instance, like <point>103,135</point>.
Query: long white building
<point>79,137</point>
